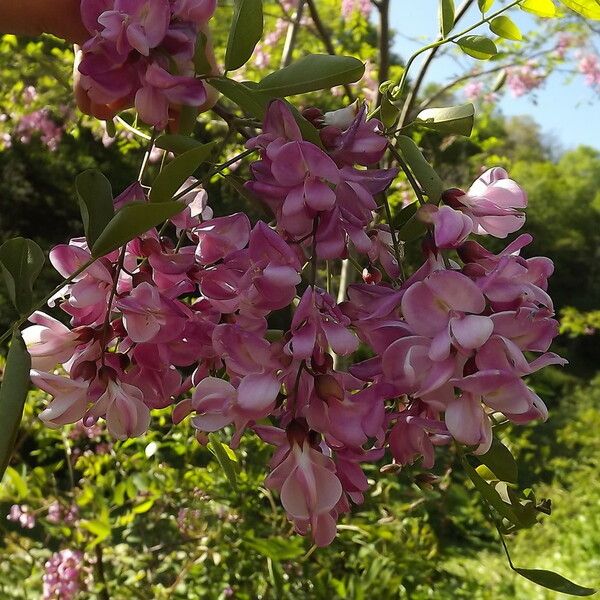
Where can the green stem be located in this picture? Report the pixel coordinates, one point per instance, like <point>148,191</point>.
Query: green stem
<point>446,40</point>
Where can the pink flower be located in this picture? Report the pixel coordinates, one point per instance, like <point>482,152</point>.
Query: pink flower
<point>148,316</point>
<point>317,324</point>
<point>49,342</point>
<point>124,409</point>
<point>491,203</point>
<point>70,398</point>
<point>136,24</point>
<point>221,236</point>
<point>160,89</point>
<point>197,11</point>
<point>309,488</point>
<point>446,307</point>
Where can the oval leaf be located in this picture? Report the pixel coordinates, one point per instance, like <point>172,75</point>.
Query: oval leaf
<point>251,102</point>
<point>245,32</point>
<point>478,46</point>
<point>505,28</point>
<point>202,65</point>
<point>485,5</point>
<point>21,261</point>
<point>587,8</point>
<point>174,175</point>
<point>446,16</point>
<point>13,393</point>
<point>428,179</point>
<point>453,119</point>
<point>177,144</point>
<point>311,73</point>
<point>500,462</point>
<point>554,581</point>
<point>540,8</point>
<point>95,197</point>
<point>133,220</point>
<point>223,455</point>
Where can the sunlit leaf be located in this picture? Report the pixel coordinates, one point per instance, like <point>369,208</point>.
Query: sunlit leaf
<point>446,16</point>
<point>453,119</point>
<point>424,173</point>
<point>540,8</point>
<point>245,32</point>
<point>587,8</point>
<point>506,28</point>
<point>478,46</point>
<point>311,73</point>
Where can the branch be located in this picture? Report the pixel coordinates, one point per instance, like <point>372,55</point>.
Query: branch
<point>384,43</point>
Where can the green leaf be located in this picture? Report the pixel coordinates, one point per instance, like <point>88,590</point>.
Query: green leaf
<point>587,8</point>
<point>500,462</point>
<point>245,32</point>
<point>489,494</point>
<point>98,528</point>
<point>506,28</point>
<point>143,507</point>
<point>413,229</point>
<point>453,119</point>
<point>223,456</point>
<point>500,81</point>
<point>111,128</point>
<point>177,144</point>
<point>95,196</point>
<point>276,548</point>
<point>21,261</point>
<point>174,175</point>
<point>554,581</point>
<point>446,16</point>
<point>13,393</point>
<point>311,73</point>
<point>17,482</point>
<point>427,178</point>
<point>133,220</point>
<point>478,46</point>
<point>188,116</point>
<point>202,65</point>
<point>253,103</point>
<point>540,8</point>
<point>485,5</point>
<point>388,111</point>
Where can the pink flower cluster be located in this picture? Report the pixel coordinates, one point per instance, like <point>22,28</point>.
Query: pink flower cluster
<point>141,53</point>
<point>524,79</point>
<point>21,514</point>
<point>158,324</point>
<point>62,576</point>
<point>589,66</point>
<point>363,7</point>
<point>39,123</point>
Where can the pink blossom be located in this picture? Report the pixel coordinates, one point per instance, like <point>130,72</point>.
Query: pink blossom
<point>22,515</point>
<point>524,79</point>
<point>136,24</point>
<point>589,65</point>
<point>309,488</point>
<point>62,575</point>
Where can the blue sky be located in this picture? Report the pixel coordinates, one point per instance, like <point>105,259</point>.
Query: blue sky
<point>567,111</point>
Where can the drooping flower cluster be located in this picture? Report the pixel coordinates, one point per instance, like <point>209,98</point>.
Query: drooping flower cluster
<point>363,7</point>
<point>525,78</point>
<point>21,514</point>
<point>589,66</point>
<point>450,345</point>
<point>142,53</point>
<point>62,576</point>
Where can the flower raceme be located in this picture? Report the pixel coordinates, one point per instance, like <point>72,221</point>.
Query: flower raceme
<point>141,52</point>
<point>158,324</point>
